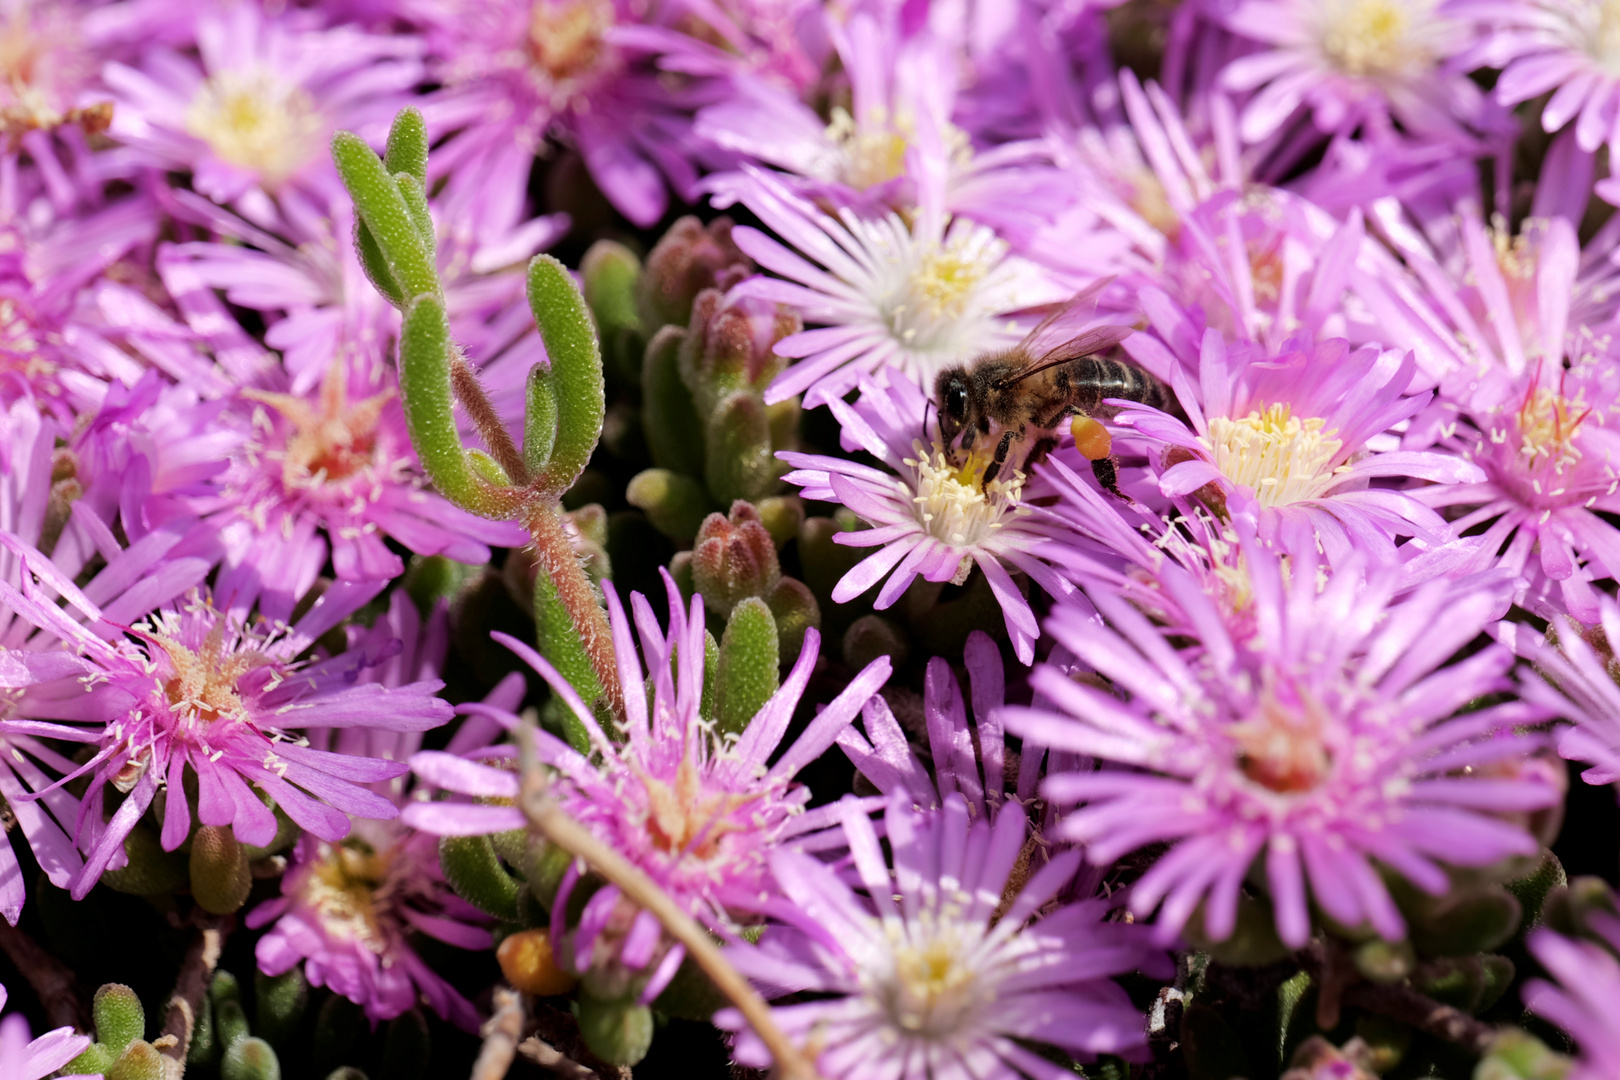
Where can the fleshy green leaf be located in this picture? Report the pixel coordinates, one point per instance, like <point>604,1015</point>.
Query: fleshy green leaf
<point>747,672</point>
<point>407,150</point>
<point>473,871</point>
<point>375,264</point>
<point>410,189</point>
<point>619,1032</point>
<point>378,203</point>
<point>576,369</point>
<point>280,1001</point>
<point>250,1059</point>
<point>668,415</point>
<point>120,1019</point>
<point>737,460</point>
<point>675,504</point>
<point>219,870</point>
<point>540,420</point>
<point>424,383</point>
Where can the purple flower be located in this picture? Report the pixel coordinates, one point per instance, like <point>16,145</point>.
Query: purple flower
<point>698,813</point>
<point>1330,740</point>
<point>347,911</point>
<point>929,518</point>
<point>945,965</point>
<point>1582,669</point>
<point>334,466</point>
<point>897,127</point>
<point>1297,437</point>
<point>1351,62</point>
<point>194,687</point>
<point>251,115</point>
<point>623,91</point>
<point>892,298</point>
<point>22,1059</point>
<point>1568,47</point>
<point>1582,1000</point>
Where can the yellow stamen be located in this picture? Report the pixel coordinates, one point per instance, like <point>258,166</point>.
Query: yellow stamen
<point>1282,458</point>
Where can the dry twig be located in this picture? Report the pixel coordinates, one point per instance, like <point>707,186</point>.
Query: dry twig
<point>191,986</point>
<point>501,1034</point>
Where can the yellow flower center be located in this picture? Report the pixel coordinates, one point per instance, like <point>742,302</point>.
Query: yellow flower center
<point>1548,423</point>
<point>201,684</point>
<point>945,279</point>
<point>1282,458</point>
<point>257,121</point>
<point>954,504</point>
<point>870,155</point>
<point>1281,747</point>
<point>684,812</point>
<point>1371,38</point>
<point>344,885</point>
<point>332,440</point>
<point>934,985</point>
<point>566,40</point>
<point>1604,36</point>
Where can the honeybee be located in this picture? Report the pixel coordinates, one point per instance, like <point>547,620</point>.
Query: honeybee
<point>1027,391</point>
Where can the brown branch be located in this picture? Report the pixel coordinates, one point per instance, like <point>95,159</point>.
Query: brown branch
<point>555,825</point>
<point>53,981</point>
<point>501,1034</point>
<point>553,1060</point>
<point>1399,1001</point>
<point>470,392</point>
<point>191,986</point>
<point>1407,1005</point>
<point>559,563</point>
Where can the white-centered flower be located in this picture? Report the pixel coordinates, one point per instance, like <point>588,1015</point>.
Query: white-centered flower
<point>257,121</point>
<point>891,294</point>
<point>1283,458</point>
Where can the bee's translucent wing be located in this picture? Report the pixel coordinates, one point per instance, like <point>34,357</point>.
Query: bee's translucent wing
<point>1065,334</point>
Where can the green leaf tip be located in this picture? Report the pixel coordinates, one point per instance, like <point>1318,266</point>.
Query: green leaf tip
<point>378,202</point>
<point>119,1017</point>
<point>250,1059</point>
<point>408,144</point>
<point>576,369</point>
<point>473,871</point>
<point>747,671</point>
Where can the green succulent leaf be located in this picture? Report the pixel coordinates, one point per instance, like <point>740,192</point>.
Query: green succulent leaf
<point>250,1059</point>
<point>747,671</point>
<point>407,150</point>
<point>475,873</point>
<point>576,368</point>
<point>540,420</point>
<point>378,202</point>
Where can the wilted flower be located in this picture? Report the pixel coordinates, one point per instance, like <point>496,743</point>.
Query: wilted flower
<point>942,961</point>
<point>1329,740</point>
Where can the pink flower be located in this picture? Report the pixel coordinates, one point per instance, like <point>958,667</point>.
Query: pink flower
<point>22,1059</point>
<point>699,813</point>
<point>193,687</point>
<point>1580,1001</point>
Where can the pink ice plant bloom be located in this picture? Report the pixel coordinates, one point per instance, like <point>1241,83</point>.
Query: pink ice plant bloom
<point>348,910</point>
<point>1533,404</point>
<point>1568,47</point>
<point>918,971</point>
<point>601,74</point>
<point>194,687</point>
<point>1297,436</point>
<point>902,88</point>
<point>1581,1001</point>
<point>24,1059</point>
<point>929,518</point>
<point>331,468</point>
<point>1586,693</point>
<point>892,299</point>
<point>1351,62</point>
<point>253,113</point>
<point>1329,740</point>
<point>699,812</point>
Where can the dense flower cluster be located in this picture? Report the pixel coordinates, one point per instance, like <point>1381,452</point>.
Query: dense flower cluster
<point>1224,394</point>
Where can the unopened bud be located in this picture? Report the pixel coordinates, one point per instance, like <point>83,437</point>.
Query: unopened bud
<point>619,1032</point>
<point>686,260</point>
<point>526,961</point>
<point>220,879</point>
<point>734,558</point>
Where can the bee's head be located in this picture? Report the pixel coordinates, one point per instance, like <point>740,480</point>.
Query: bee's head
<point>951,398</point>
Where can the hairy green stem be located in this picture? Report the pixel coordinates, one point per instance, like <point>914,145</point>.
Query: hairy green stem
<point>559,563</point>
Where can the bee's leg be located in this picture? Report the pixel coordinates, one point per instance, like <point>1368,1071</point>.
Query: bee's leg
<point>1002,448</point>
<point>1037,454</point>
<point>1106,470</point>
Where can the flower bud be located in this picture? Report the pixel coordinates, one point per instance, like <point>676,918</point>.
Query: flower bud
<point>250,1059</point>
<point>526,961</point>
<point>120,1019</point>
<point>731,345</point>
<point>746,675</point>
<point>673,502</point>
<point>734,558</point>
<point>686,260</point>
<point>220,880</point>
<point>619,1032</point>
<point>280,1001</point>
